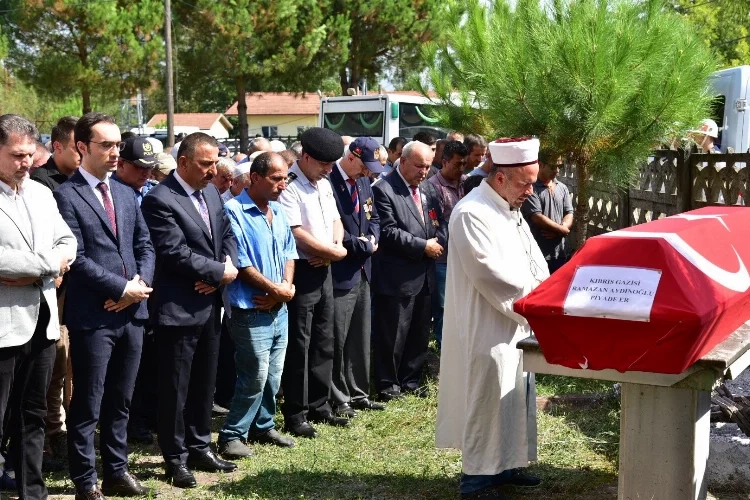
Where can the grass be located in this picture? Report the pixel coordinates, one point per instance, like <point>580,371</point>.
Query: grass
<point>391,455</point>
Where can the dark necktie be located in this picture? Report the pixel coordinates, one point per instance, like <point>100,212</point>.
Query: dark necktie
<point>355,195</point>
<point>417,201</point>
<point>108,207</point>
<point>203,209</point>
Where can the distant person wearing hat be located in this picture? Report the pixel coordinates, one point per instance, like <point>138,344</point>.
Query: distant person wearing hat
<point>137,159</point>
<point>352,276</point>
<point>705,135</point>
<point>311,210</point>
<point>413,235</point>
<point>165,163</point>
<point>240,180</point>
<point>493,260</point>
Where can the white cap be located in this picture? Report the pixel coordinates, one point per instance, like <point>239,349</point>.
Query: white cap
<point>156,145</point>
<point>515,151</point>
<point>241,169</point>
<point>175,149</point>
<point>708,127</point>
<point>277,146</point>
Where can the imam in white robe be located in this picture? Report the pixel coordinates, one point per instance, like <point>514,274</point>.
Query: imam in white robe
<point>486,406</point>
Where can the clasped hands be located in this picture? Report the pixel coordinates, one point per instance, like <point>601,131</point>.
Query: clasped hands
<point>282,292</point>
<point>30,280</point>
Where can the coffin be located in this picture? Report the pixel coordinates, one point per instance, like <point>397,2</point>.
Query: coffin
<point>653,298</point>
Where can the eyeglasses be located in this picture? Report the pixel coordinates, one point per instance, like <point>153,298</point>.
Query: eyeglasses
<point>108,145</point>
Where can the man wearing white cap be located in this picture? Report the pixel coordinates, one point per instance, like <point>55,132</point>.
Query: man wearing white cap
<point>705,135</point>
<point>486,403</point>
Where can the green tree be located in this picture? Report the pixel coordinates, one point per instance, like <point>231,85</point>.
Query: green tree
<point>260,45</point>
<point>387,35</point>
<point>64,48</point>
<point>599,80</point>
<point>722,25</point>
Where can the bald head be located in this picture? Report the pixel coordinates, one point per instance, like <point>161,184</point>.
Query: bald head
<point>416,159</point>
<point>258,144</point>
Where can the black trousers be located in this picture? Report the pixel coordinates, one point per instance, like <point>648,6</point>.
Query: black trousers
<point>143,407</point>
<point>187,378</point>
<point>105,367</point>
<point>308,366</point>
<point>25,373</point>
<point>351,359</point>
<point>401,337</point>
<point>226,374</point>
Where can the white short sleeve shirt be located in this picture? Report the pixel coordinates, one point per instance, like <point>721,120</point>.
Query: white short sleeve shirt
<point>311,206</point>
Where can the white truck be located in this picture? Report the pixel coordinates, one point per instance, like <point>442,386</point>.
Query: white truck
<point>390,115</point>
<point>730,109</point>
<point>380,116</point>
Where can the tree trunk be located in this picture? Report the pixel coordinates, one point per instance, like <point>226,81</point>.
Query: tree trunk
<point>242,112</point>
<point>581,217</point>
<point>86,98</point>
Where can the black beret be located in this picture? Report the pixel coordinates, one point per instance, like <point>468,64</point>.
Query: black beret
<point>322,144</point>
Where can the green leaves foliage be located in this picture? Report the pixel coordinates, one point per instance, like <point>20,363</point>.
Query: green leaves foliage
<point>603,81</point>
<point>106,48</point>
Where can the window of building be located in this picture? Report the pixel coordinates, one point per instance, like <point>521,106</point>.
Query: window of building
<point>270,131</point>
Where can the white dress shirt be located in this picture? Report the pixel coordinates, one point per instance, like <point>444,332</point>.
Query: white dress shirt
<point>94,181</point>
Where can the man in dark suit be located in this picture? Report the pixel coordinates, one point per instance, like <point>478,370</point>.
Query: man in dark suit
<point>412,235</point>
<point>350,180</point>
<point>195,252</point>
<point>104,310</point>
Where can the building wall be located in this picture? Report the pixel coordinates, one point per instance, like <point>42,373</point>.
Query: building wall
<point>286,124</point>
<point>218,131</point>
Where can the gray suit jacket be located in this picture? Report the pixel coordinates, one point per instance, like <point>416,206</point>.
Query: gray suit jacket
<point>38,256</point>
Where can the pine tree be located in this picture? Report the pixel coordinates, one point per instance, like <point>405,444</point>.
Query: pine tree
<point>64,48</point>
<point>602,81</point>
<point>261,45</point>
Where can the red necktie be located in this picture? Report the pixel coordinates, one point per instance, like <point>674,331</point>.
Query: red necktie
<point>355,195</point>
<point>108,207</point>
<point>417,201</point>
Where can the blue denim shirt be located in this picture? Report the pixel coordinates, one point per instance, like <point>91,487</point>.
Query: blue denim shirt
<point>260,245</point>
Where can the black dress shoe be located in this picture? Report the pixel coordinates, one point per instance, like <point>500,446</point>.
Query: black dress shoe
<point>209,462</point>
<point>389,395</point>
<point>218,411</point>
<point>330,419</point>
<point>303,429</point>
<point>180,476</point>
<point>366,404</point>
<point>344,410</point>
<point>519,478</point>
<point>125,486</point>
<point>92,494</point>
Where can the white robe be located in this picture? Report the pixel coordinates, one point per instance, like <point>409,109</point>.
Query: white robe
<point>486,406</point>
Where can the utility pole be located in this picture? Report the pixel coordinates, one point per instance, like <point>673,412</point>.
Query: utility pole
<point>170,81</point>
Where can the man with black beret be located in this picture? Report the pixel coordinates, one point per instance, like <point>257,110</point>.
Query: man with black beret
<point>310,207</point>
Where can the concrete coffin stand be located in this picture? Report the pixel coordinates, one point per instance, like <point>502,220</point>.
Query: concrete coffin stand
<point>665,418</point>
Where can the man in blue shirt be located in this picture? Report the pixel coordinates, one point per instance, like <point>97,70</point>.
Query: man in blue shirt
<point>259,321</point>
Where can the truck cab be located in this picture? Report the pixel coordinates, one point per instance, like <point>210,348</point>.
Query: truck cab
<point>380,116</point>
<point>730,108</point>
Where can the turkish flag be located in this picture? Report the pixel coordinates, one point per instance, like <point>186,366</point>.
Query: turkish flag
<point>654,297</point>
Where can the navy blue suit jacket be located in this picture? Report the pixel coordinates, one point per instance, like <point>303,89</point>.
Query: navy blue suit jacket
<point>345,273</point>
<point>400,264</point>
<point>186,253</point>
<point>97,273</point>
